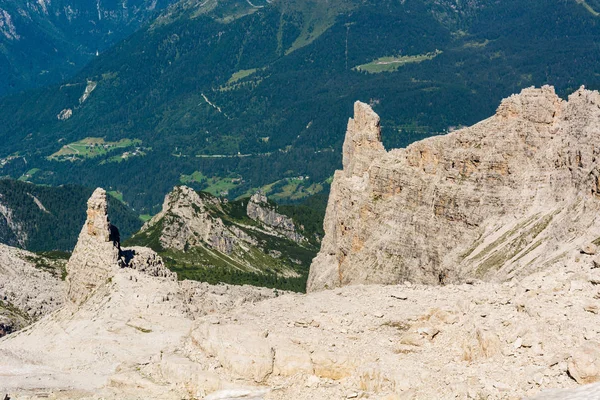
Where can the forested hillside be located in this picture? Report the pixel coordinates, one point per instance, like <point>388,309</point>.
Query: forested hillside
<point>231,96</point>
<point>43,42</point>
<point>41,218</point>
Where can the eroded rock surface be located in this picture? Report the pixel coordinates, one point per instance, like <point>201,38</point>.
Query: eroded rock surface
<point>246,235</point>
<point>259,209</point>
<point>501,199</point>
<point>31,286</point>
<point>97,251</point>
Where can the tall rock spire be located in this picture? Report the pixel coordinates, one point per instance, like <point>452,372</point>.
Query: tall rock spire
<point>96,253</point>
<point>363,140</point>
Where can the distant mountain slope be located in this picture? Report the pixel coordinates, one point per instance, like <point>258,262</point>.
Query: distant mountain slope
<point>45,41</point>
<point>41,218</point>
<point>235,95</point>
<point>248,241</point>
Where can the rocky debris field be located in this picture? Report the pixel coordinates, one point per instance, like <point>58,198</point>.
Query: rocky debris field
<point>145,336</point>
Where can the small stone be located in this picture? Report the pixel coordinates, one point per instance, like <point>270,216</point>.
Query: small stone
<point>592,308</point>
<point>378,315</point>
<point>352,396</point>
<point>589,249</point>
<point>518,343</point>
<point>576,286</point>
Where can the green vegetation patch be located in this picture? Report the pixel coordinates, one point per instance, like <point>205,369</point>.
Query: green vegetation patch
<point>91,148</point>
<point>290,189</point>
<point>221,186</point>
<point>29,174</point>
<point>117,195</point>
<point>54,262</point>
<point>241,74</point>
<point>518,243</point>
<point>391,64</point>
<point>145,217</point>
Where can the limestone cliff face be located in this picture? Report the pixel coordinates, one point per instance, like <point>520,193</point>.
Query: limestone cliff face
<point>507,196</point>
<point>186,222</point>
<point>259,209</point>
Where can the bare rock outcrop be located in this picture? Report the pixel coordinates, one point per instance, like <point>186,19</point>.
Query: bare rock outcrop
<point>509,195</point>
<point>98,254</point>
<point>259,209</point>
<point>30,288</point>
<point>186,222</point>
<point>246,235</point>
<point>97,251</point>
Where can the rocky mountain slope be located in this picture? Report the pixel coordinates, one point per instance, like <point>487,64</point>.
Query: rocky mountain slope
<point>31,286</point>
<point>206,238</point>
<point>256,91</point>
<point>43,42</point>
<point>129,331</point>
<point>42,218</point>
<point>511,195</point>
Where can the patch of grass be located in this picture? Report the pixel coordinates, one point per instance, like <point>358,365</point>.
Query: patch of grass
<point>146,217</point>
<point>29,174</point>
<point>221,186</point>
<point>391,64</point>
<point>117,195</point>
<point>195,177</point>
<point>139,328</point>
<point>496,260</point>
<point>241,74</point>
<point>54,262</point>
<point>91,147</point>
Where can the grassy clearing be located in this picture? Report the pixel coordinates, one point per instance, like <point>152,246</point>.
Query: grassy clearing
<point>90,148</point>
<point>117,195</point>
<point>145,217</point>
<point>195,177</point>
<point>289,189</point>
<point>29,174</point>
<point>391,64</point>
<point>241,74</point>
<point>221,186</point>
<point>216,185</point>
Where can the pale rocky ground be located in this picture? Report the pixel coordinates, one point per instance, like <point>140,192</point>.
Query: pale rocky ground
<point>140,337</point>
<point>27,292</point>
<point>130,330</point>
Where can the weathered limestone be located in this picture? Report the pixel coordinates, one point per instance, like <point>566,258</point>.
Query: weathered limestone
<point>259,209</point>
<point>98,254</point>
<point>27,292</point>
<point>584,365</point>
<point>186,222</point>
<point>219,233</point>
<point>97,251</point>
<point>500,199</point>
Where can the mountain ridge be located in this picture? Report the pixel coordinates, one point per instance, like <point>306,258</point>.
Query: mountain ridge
<point>225,99</point>
<point>495,201</point>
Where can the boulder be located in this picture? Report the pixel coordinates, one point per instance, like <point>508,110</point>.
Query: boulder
<point>584,365</point>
